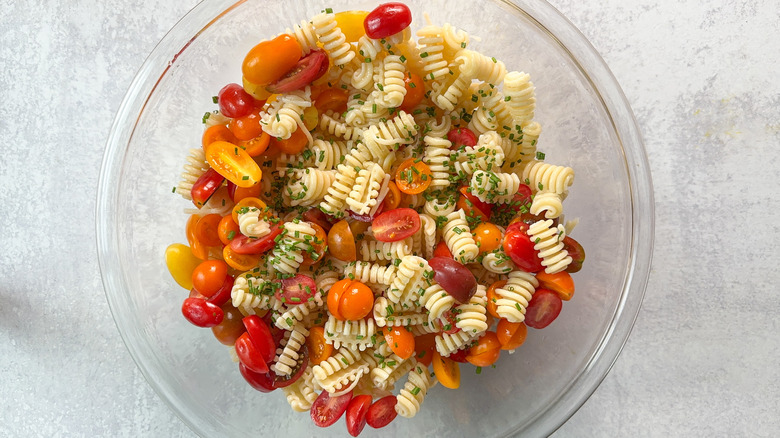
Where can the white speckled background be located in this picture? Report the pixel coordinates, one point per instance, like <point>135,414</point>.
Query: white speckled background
<point>703,359</point>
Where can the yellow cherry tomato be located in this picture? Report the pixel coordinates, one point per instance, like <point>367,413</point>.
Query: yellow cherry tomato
<point>487,236</point>
<point>351,24</point>
<point>257,91</point>
<point>240,262</point>
<point>447,371</point>
<point>311,117</point>
<point>181,262</point>
<point>234,163</point>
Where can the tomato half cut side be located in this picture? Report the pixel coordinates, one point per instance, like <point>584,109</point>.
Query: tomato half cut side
<point>300,367</point>
<point>395,225</point>
<point>356,413</point>
<point>382,412</point>
<point>413,176</point>
<point>233,163</point>
<point>251,246</point>
<point>326,410</point>
<point>461,137</point>
<point>205,186</point>
<point>296,290</point>
<point>310,68</point>
<point>222,295</point>
<point>544,307</point>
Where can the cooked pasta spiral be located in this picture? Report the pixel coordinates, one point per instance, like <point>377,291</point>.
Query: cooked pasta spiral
<point>513,297</point>
<point>432,53</point>
<point>367,272</point>
<point>410,398</point>
<point>531,132</point>
<point>390,369</point>
<point>544,176</point>
<point>437,301</point>
<point>492,187</point>
<point>437,157</point>
<point>333,125</point>
<point>295,239</point>
<point>548,202</point>
<point>250,224</point>
<point>328,154</point>
<point>336,197</point>
<point>356,335</point>
<point>284,116</point>
<point>374,250</point>
<point>363,196</point>
<point>332,38</point>
<point>250,292</point>
<point>308,187</point>
<point>549,242</point>
<point>412,277</point>
<point>301,393</point>
<point>439,207</point>
<point>368,48</point>
<point>195,168</point>
<point>392,89</point>
<point>306,36</point>
<point>343,370</point>
<point>519,91</point>
<point>289,357</point>
<point>457,235</point>
<point>387,313</point>
<point>471,316</point>
<point>296,313</point>
<point>487,154</point>
<point>498,262</point>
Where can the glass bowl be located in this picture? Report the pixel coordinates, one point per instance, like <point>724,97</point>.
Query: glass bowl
<point>588,125</point>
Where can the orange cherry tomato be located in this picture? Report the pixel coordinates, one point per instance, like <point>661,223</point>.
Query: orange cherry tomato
<point>247,127</point>
<point>341,242</point>
<point>206,230</point>
<point>319,350</point>
<point>393,198</point>
<point>470,210</point>
<point>233,163</point>
<point>231,327</point>
<point>560,283</point>
<point>413,176</point>
<point>240,262</point>
<point>218,133</point>
<point>350,300</point>
<point>319,245</point>
<point>400,340</point>
<point>293,145</point>
<point>487,236</point>
<point>208,277</point>
<point>511,334</point>
<point>492,297</point>
<point>486,352</point>
<point>270,60</point>
<point>247,192</point>
<point>415,91</point>
<point>447,371</point>
<point>351,24</point>
<point>256,146</point>
<point>332,99</point>
<point>424,347</point>
<point>244,204</point>
<point>197,247</point>
<point>227,229</point>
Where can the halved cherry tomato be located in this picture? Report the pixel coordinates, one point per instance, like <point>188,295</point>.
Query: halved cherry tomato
<point>576,252</point>
<point>255,146</point>
<point>451,318</point>
<point>249,355</point>
<point>351,24</point>
<point>222,295</point>
<point>263,382</point>
<point>459,356</point>
<point>461,137</point>
<point>201,313</point>
<point>382,412</point>
<point>341,242</point>
<point>208,277</point>
<point>270,60</point>
<point>181,263</point>
<point>400,340</point>
<point>281,381</point>
<point>387,19</point>
<point>237,193</point>
<point>217,133</point>
<point>326,410</point>
<point>227,230</point>
<point>356,413</point>
<point>454,278</point>
<point>486,352</point>
<point>519,204</point>
<point>447,371</point>
<point>395,225</point>
<point>206,230</point>
<point>332,99</point>
<point>234,101</point>
<point>492,297</point>
<point>296,290</point>
<point>518,246</point>
<point>261,337</point>
<point>197,248</point>
<point>442,250</point>
<point>293,145</point>
<point>257,91</point>
<point>233,163</point>
<point>254,246</point>
<point>247,127</point>
<point>544,307</point>
<point>317,216</point>
<point>319,244</point>
<point>487,236</point>
<point>310,68</point>
<point>239,262</point>
<point>424,346</point>
<point>311,118</point>
<point>393,197</point>
<point>350,300</point>
<point>473,207</point>
<point>415,91</point>
<point>511,334</point>
<point>231,326</point>
<point>243,206</point>
<point>318,348</point>
<point>560,283</point>
<point>413,176</point>
<point>205,186</point>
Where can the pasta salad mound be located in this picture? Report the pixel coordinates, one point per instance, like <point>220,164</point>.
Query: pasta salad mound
<point>370,214</point>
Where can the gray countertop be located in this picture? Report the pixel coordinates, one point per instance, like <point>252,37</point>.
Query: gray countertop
<point>703,358</point>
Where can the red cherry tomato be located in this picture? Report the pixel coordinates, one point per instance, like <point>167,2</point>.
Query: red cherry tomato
<point>520,203</point>
<point>249,245</point>
<point>205,186</point>
<point>442,250</point>
<point>310,68</point>
<point>209,276</point>
<point>382,412</point>
<point>576,252</point>
<point>453,277</point>
<point>201,313</point>
<point>543,308</point>
<point>300,367</point>
<point>262,382</point>
<point>415,91</point>
<point>450,328</point>
<point>222,295</point>
<point>461,137</point>
<point>317,216</point>
<point>472,202</point>
<point>356,413</point>
<point>459,356</point>
<point>234,101</point>
<point>326,410</point>
<point>261,337</point>
<point>518,246</point>
<point>395,225</point>
<point>249,355</point>
<point>387,19</point>
<point>296,290</point>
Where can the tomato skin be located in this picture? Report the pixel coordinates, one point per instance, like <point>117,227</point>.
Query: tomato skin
<point>201,313</point>
<point>351,24</point>
<point>387,19</point>
<point>247,127</point>
<point>205,186</point>
<point>395,225</point>
<point>576,252</point>
<point>442,250</point>
<point>233,163</point>
<point>518,246</point>
<point>319,350</point>
<point>262,382</point>
<point>382,412</point>
<point>446,370</point>
<point>303,362</point>
<point>401,341</point>
<point>255,146</point>
<point>519,205</point>
<point>317,216</point>
<point>341,242</point>
<point>544,307</point>
<point>486,352</point>
<point>270,60</point>
<point>459,356</point>
<point>249,355</point>
<point>293,145</point>
<point>415,91</point>
<point>234,101</point>
<point>261,337</point>
<point>492,297</point>
<point>209,276</point>
<point>181,263</point>
<point>393,198</point>
<point>560,283</point>
<point>240,262</point>
<point>487,236</point>
<point>454,278</point>
<point>248,202</point>
<point>319,245</point>
<point>217,133</point>
<point>253,246</point>
<point>308,69</point>
<point>356,413</point>
<point>227,230</point>
<point>206,230</point>
<point>461,137</point>
<point>222,295</point>
<point>413,176</point>
<point>326,410</point>
<point>231,326</point>
<point>350,300</point>
<point>332,99</point>
<point>511,334</point>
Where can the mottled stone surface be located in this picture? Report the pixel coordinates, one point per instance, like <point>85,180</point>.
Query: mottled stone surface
<point>702,80</point>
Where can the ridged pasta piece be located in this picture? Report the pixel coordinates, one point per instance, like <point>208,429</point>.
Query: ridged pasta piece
<point>519,91</point>
<point>413,276</point>
<point>256,293</point>
<point>305,35</point>
<point>458,238</point>
<point>437,157</point>
<point>363,196</point>
<point>343,369</point>
<point>195,167</point>
<point>549,203</point>
<point>336,197</point>
<point>544,176</point>
<point>410,398</point>
<point>512,298</point>
<point>548,241</point>
<point>425,327</point>
<point>367,272</point>
<point>282,117</point>
<point>250,224</point>
<point>439,207</point>
<point>325,280</point>
<point>392,88</point>
<point>308,187</point>
<point>492,113</point>
<point>389,314</point>
<point>471,317</point>
<point>355,335</point>
<point>476,65</point>
<point>368,51</point>
<point>296,238</point>
<point>428,231</point>
<point>328,154</point>
<point>373,250</point>
<point>492,187</point>
<point>332,38</point>
<point>334,125</point>
<point>487,154</point>
<point>498,262</point>
<point>216,118</point>
<point>413,201</point>
<point>447,95</point>
<point>355,114</point>
<point>454,40</point>
<point>531,132</point>
<point>432,53</point>
<point>483,276</point>
<point>446,343</point>
<point>437,301</point>
<point>295,314</point>
<point>288,358</point>
<point>389,369</point>
<point>301,393</point>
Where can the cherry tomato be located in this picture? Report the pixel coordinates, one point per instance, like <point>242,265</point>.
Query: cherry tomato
<point>326,410</point>
<point>511,334</point>
<point>395,225</point>
<point>254,246</point>
<point>576,252</point>
<point>227,230</point>
<point>424,346</point>
<point>387,19</point>
<point>258,92</point>
<point>350,300</point>
<point>317,216</point>
<point>262,382</point>
<point>351,24</point>
<point>255,146</point>
<point>459,356</point>
<point>197,248</point>
<point>454,278</point>
<point>233,163</point>
<point>231,326</point>
<point>234,101</point>
<point>296,290</point>
<point>209,276</point>
<point>293,145</point>
<point>356,413</point>
<point>270,60</point>
<point>341,242</point>
<point>247,127</point>
<point>249,355</point>
<point>206,230</point>
<point>446,370</point>
<point>413,176</point>
<point>243,206</point>
<point>560,283</point>
<point>472,202</point>
<point>518,246</point>
<point>300,368</point>
<point>415,91</point>
<point>205,186</point>
<point>492,297</point>
<point>442,250</point>
<point>217,133</point>
<point>461,137</point>
<point>181,263</point>
<point>261,337</point>
<point>544,307</point>
<point>237,193</point>
<point>201,313</point>
<point>486,352</point>
<point>519,204</point>
<point>451,318</point>
<point>382,412</point>
<point>310,68</point>
<point>318,247</point>
<point>239,262</point>
<point>487,236</point>
<point>332,99</point>
<point>400,340</point>
<point>318,348</point>
<point>393,197</point>
<point>222,295</point>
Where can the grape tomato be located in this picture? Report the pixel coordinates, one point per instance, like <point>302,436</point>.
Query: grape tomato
<point>341,242</point>
<point>544,307</point>
<point>413,176</point>
<point>299,289</point>
<point>395,225</point>
<point>576,252</point>
<point>250,355</point>
<point>234,101</point>
<point>270,60</point>
<point>310,68</point>
<point>356,413</point>
<point>262,382</point>
<point>231,327</point>
<point>382,412</point>
<point>387,19</point>
<point>181,263</point>
<point>252,245</point>
<point>205,186</point>
<point>326,410</point>
<point>461,137</point>
<point>233,163</point>
<point>261,337</point>
<point>222,295</point>
<point>209,276</point>
<point>455,278</point>
<point>201,313</point>
<point>518,246</point>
